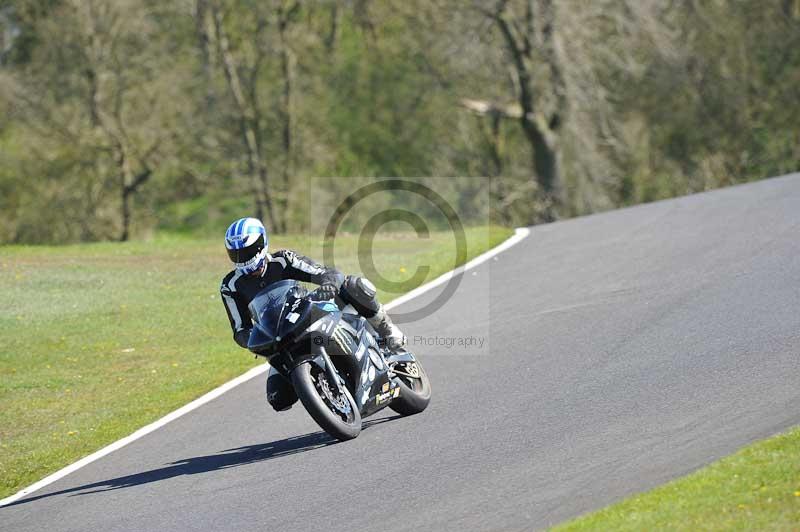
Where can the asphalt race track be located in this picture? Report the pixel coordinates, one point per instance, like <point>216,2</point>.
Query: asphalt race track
<point>622,350</point>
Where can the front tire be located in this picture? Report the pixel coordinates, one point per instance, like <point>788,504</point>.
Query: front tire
<point>338,415</point>
<point>415,392</point>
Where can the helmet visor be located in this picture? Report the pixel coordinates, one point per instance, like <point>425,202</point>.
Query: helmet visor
<point>240,256</point>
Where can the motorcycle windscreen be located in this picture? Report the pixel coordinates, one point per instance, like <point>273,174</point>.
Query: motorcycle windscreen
<point>268,305</point>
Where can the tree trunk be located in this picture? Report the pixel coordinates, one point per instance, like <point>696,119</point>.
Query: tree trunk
<point>544,158</point>
<point>286,114</point>
<point>541,127</point>
<point>125,192</point>
<point>247,121</point>
<point>91,80</point>
<point>204,44</point>
<point>129,185</point>
<point>333,29</point>
<point>126,214</point>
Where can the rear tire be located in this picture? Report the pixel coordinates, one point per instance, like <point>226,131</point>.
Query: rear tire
<point>307,381</point>
<point>415,394</point>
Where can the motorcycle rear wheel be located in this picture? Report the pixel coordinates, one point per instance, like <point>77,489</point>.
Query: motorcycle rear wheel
<point>415,392</point>
<point>338,415</point>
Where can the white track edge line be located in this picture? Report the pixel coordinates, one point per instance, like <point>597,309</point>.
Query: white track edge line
<point>519,234</point>
<point>185,409</point>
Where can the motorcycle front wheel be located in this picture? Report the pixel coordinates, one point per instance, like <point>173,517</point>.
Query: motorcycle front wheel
<point>332,407</point>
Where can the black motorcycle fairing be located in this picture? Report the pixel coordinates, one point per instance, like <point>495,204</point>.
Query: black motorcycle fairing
<point>364,363</point>
<point>268,305</point>
<point>282,313</point>
<point>266,310</point>
<point>401,356</point>
<point>373,388</point>
<point>291,329</point>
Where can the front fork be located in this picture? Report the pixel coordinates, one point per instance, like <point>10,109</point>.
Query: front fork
<point>319,357</point>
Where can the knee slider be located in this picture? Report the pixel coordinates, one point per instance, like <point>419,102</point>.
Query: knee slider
<point>360,293</point>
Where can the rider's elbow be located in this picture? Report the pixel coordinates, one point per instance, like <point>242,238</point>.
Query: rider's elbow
<point>241,337</point>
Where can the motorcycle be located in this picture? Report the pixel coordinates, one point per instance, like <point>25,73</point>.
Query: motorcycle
<point>333,359</point>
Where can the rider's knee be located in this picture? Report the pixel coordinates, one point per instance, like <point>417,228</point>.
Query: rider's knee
<point>361,293</point>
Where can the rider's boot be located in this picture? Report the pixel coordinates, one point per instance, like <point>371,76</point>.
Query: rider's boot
<point>390,334</point>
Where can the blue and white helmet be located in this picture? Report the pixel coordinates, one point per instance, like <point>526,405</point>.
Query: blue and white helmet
<point>247,244</point>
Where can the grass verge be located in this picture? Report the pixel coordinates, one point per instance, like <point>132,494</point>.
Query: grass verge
<point>758,488</point>
<point>97,340</point>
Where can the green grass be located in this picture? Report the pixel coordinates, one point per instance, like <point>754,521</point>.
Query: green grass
<point>758,488</point>
<point>97,340</point>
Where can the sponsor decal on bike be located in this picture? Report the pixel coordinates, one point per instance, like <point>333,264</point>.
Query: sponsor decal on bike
<point>360,352</point>
<point>344,343</point>
<point>384,397</point>
<point>376,359</point>
<point>327,306</point>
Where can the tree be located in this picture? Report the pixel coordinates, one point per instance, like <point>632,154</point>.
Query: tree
<point>120,117</point>
<point>245,40</point>
<point>530,35</point>
<point>100,81</point>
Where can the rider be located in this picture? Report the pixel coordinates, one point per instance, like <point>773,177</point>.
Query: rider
<point>247,244</point>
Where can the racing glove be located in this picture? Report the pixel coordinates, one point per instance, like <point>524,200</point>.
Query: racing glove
<point>324,292</point>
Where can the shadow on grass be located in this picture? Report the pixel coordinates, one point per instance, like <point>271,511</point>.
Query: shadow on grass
<point>203,464</point>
